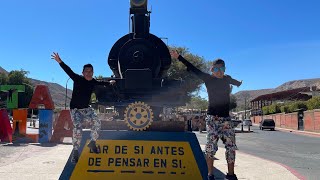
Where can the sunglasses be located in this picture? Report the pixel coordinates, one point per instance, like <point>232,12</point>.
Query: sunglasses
<point>216,69</point>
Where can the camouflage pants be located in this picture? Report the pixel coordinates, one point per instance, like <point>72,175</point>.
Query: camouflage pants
<point>79,116</point>
<point>220,128</point>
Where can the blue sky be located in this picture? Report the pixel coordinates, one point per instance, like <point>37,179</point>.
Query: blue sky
<point>264,43</point>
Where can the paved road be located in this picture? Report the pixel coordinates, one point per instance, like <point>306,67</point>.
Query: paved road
<point>299,152</point>
<point>302,153</point>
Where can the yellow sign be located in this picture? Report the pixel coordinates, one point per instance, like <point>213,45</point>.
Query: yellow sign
<point>134,159</point>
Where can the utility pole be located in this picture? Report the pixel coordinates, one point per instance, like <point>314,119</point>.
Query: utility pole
<point>65,101</point>
<point>245,107</point>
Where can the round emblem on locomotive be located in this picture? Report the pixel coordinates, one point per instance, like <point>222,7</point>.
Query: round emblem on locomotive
<point>138,116</point>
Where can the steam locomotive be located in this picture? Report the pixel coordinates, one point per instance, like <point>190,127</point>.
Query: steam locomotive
<point>139,62</point>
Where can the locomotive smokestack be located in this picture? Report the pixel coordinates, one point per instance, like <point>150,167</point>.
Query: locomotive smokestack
<point>140,18</point>
<point>136,5</point>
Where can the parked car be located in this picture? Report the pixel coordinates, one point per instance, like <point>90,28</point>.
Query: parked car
<point>235,122</point>
<point>267,124</point>
<point>247,122</point>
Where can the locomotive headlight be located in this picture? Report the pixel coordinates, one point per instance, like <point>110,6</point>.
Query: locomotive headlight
<point>138,3</point>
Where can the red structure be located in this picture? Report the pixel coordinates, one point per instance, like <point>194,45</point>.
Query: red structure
<point>41,96</point>
<point>59,131</point>
<point>268,99</point>
<point>5,127</point>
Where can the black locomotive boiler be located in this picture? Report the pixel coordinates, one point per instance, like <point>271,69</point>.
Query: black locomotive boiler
<point>139,62</point>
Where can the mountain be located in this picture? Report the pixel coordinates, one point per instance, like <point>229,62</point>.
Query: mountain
<point>58,92</point>
<point>251,94</point>
<point>3,71</point>
<point>248,95</point>
<point>299,84</point>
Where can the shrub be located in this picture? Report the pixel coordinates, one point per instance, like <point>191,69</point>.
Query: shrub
<point>313,103</point>
<point>274,108</point>
<point>265,110</point>
<point>284,108</point>
<point>294,106</point>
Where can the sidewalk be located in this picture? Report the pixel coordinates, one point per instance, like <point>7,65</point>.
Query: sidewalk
<point>251,167</point>
<point>36,162</point>
<point>46,162</point>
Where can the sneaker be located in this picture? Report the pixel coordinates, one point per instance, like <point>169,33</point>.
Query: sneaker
<point>231,177</point>
<point>93,147</point>
<point>75,156</point>
<point>211,177</point>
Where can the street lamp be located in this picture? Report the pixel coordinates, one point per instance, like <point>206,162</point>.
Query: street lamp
<point>165,38</point>
<point>65,102</point>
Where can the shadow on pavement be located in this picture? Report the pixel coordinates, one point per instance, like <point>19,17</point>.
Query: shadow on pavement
<point>236,130</point>
<point>16,144</point>
<point>50,144</point>
<point>239,131</point>
<point>24,143</point>
<point>218,174</point>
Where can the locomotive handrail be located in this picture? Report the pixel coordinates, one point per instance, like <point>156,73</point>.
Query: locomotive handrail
<point>119,69</point>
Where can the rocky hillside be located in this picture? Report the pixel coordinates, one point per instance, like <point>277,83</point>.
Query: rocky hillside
<point>299,84</point>
<point>248,95</point>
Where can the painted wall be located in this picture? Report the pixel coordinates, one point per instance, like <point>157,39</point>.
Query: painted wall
<point>290,120</point>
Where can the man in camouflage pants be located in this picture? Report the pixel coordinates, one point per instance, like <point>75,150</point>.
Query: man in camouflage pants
<point>219,124</point>
<point>220,128</point>
<point>83,87</point>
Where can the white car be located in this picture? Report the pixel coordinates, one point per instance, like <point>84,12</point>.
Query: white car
<point>247,122</point>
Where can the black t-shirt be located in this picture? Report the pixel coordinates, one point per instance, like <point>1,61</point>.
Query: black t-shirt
<point>82,88</point>
<point>218,89</point>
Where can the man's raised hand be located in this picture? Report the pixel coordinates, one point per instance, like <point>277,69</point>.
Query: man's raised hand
<point>56,57</point>
<point>174,54</point>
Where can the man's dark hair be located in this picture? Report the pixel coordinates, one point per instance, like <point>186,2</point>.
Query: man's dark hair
<point>218,61</point>
<point>87,66</point>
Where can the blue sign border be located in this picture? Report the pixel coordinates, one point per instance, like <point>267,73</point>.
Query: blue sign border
<point>147,136</point>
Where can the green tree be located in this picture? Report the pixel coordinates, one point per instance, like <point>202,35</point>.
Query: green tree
<point>294,106</point>
<point>284,108</point>
<point>265,110</point>
<point>313,103</point>
<point>3,79</point>
<point>233,102</point>
<point>197,102</point>
<point>274,108</point>
<point>3,95</point>
<point>20,78</point>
